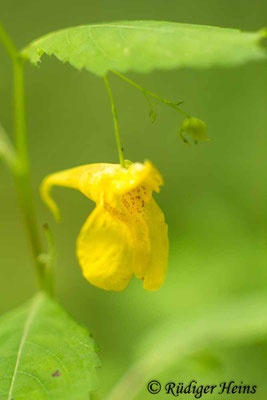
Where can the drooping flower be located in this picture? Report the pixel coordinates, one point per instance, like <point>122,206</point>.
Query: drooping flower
<point>126,233</point>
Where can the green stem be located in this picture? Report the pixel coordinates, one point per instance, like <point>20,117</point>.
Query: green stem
<point>115,120</point>
<point>151,94</point>
<point>48,259</point>
<point>22,169</point>
<point>26,202</point>
<point>7,150</point>
<point>19,115</point>
<point>8,44</point>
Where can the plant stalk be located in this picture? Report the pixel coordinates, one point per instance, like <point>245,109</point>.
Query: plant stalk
<point>21,171</point>
<point>151,94</point>
<point>115,120</point>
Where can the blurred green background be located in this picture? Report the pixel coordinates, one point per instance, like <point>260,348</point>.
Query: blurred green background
<point>214,196</point>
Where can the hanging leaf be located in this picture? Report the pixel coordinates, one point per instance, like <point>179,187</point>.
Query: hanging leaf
<point>143,46</point>
<point>44,354</point>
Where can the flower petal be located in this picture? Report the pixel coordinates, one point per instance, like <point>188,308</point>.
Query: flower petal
<point>137,174</point>
<point>126,233</point>
<point>84,178</point>
<point>141,245</point>
<point>158,261</point>
<point>104,250</point>
<point>96,180</point>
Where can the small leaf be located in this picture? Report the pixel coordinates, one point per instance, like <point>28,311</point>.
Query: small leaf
<point>153,116</point>
<point>44,354</point>
<point>143,46</point>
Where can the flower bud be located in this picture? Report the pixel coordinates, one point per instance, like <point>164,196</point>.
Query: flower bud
<point>195,128</point>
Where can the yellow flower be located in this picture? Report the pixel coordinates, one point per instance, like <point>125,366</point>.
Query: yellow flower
<point>126,233</point>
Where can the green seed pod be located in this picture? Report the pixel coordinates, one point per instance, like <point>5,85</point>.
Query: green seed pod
<point>195,128</point>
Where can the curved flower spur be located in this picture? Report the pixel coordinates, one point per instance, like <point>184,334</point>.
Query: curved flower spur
<point>126,233</point>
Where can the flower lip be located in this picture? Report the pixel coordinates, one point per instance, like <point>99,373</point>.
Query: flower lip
<point>135,175</point>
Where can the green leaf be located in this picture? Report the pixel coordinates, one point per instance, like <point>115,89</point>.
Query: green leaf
<point>238,321</point>
<point>44,354</point>
<point>143,46</point>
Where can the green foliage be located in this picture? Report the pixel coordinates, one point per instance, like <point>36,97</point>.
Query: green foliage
<point>237,320</point>
<point>45,354</point>
<point>234,322</point>
<point>143,46</point>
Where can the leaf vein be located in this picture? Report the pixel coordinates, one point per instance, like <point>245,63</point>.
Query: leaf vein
<point>35,378</point>
<point>96,44</point>
<point>55,357</point>
<point>26,329</point>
